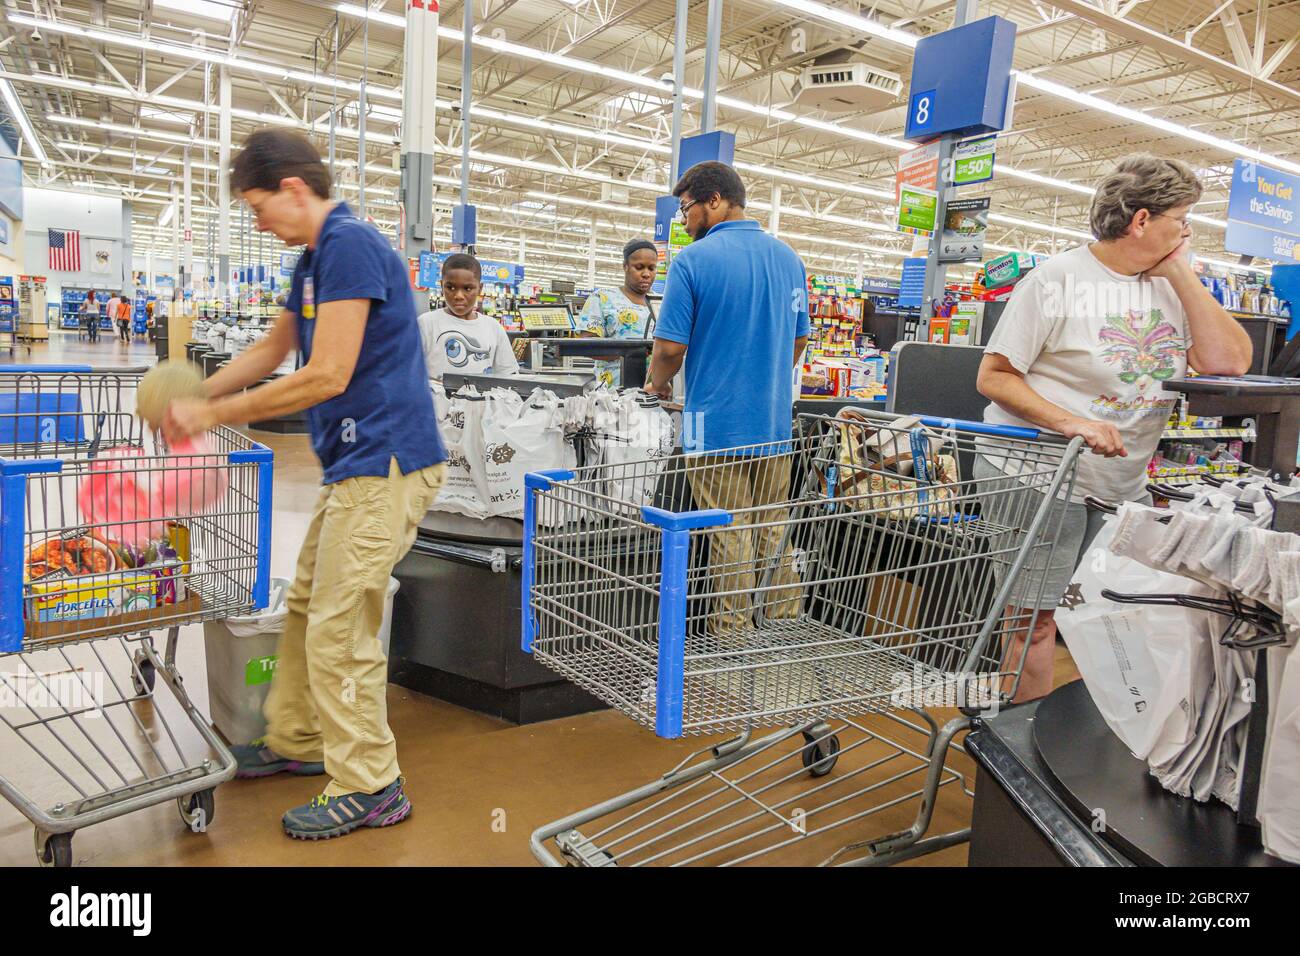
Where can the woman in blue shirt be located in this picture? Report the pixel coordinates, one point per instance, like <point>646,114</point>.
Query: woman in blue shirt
<point>624,313</point>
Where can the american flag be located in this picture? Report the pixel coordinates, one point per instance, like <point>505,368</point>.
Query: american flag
<point>65,250</point>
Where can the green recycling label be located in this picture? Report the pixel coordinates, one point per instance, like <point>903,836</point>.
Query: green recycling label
<point>260,670</point>
<point>972,161</point>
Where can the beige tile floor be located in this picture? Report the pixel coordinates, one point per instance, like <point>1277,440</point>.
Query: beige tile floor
<point>479,786</point>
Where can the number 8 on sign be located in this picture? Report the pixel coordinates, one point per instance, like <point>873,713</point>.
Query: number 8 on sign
<point>920,113</point>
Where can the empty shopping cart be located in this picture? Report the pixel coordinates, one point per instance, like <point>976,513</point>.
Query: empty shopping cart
<point>105,537</point>
<point>841,587</point>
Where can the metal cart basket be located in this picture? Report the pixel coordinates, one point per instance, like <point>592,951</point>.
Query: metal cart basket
<point>834,586</point>
<point>105,537</point>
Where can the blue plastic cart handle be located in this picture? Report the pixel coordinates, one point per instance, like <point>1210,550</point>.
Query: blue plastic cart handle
<point>982,428</point>
<point>11,369</point>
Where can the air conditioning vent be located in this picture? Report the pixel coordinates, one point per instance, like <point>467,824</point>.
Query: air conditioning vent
<point>843,87</point>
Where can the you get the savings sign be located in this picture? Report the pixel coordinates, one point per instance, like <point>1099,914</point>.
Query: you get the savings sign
<point>1263,212</point>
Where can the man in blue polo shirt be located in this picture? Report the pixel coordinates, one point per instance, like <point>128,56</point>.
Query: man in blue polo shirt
<point>736,311</point>
<point>351,313</point>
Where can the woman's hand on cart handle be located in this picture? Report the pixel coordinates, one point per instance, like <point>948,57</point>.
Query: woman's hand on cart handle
<point>1103,439</point>
<point>187,417</point>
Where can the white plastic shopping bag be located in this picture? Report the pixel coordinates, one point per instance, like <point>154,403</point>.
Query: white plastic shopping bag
<point>465,491</point>
<point>1148,668</point>
<point>635,436</point>
<point>1279,788</point>
<point>521,436</point>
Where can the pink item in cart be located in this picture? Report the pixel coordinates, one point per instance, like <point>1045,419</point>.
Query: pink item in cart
<point>133,497</point>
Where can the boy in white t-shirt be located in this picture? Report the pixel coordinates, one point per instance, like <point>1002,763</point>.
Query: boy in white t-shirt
<point>457,338</point>
<point>1083,349</point>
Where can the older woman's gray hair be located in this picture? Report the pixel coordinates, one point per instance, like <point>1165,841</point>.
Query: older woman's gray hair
<point>1140,181</point>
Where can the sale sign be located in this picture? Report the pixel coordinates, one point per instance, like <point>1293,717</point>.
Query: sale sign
<point>972,161</point>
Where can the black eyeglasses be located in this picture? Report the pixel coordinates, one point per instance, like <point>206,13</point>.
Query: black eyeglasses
<point>681,210</point>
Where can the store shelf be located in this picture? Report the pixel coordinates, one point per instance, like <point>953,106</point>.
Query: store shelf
<point>1245,434</point>
<point>1187,476</point>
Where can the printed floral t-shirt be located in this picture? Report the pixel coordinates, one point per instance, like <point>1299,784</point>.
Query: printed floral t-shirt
<point>610,314</point>
<point>1099,345</point>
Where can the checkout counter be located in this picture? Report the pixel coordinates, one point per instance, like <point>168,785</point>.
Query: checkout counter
<point>209,361</point>
<point>1044,767</point>
<point>456,618</point>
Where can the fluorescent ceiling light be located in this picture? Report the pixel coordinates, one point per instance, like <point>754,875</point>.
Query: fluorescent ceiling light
<point>130,130</point>
<point>844,18</point>
<point>851,20</point>
<point>207,9</point>
<point>162,47</point>
<point>167,214</point>
<point>19,116</point>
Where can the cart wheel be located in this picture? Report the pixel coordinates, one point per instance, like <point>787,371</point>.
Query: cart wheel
<point>55,849</point>
<point>198,809</point>
<point>146,671</point>
<point>820,757</point>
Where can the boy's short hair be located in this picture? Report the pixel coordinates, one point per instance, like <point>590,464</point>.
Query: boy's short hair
<point>463,260</point>
<point>272,155</point>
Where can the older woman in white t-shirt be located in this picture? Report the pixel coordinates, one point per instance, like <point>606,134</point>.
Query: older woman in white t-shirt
<point>1082,349</point>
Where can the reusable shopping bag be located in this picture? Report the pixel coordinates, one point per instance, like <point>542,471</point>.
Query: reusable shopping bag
<point>465,490</point>
<point>905,469</point>
<point>1148,668</point>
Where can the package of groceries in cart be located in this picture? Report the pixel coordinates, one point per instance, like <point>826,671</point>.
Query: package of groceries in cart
<point>908,470</point>
<point>84,574</point>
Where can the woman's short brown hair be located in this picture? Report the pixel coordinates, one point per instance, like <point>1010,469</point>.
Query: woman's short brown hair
<point>1140,181</point>
<point>272,155</point>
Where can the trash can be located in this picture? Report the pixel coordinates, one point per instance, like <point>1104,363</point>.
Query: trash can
<point>241,659</point>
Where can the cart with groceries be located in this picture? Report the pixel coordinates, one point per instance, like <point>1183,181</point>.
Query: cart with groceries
<point>108,535</point>
<point>854,589</point>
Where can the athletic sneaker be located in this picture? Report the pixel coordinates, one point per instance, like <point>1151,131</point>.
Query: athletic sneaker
<point>256,759</point>
<point>327,817</point>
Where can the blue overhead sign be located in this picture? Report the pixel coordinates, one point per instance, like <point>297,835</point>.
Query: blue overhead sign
<point>430,272</point>
<point>1263,212</point>
<point>961,79</point>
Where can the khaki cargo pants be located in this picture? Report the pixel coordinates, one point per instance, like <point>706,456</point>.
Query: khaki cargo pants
<point>328,698</point>
<point>734,484</point>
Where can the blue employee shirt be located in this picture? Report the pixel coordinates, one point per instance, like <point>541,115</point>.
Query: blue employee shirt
<point>738,298</point>
<point>387,409</point>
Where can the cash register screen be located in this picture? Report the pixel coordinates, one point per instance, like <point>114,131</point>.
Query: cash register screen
<point>543,318</point>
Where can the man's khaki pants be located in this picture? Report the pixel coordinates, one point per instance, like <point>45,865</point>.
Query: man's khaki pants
<point>328,699</point>
<point>734,556</point>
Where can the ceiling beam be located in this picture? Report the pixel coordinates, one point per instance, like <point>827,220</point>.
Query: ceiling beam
<point>1166,44</point>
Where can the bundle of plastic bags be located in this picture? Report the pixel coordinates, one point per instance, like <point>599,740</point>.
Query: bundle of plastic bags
<point>1161,675</point>
<point>632,436</point>
<point>495,439</point>
<point>520,436</point>
<point>460,420</point>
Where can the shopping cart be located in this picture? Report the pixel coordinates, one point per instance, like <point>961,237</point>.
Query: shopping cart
<point>816,586</point>
<point>89,568</point>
